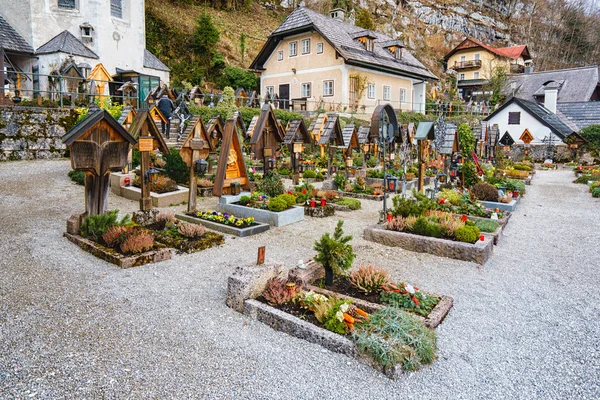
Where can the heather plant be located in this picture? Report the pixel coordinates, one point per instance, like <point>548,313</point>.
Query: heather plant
<point>190,231</point>
<point>94,226</point>
<point>452,196</point>
<point>278,291</point>
<point>137,242</point>
<point>485,192</point>
<point>166,216</point>
<point>369,279</point>
<point>115,235</point>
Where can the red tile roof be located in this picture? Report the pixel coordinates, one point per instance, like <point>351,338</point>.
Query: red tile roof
<point>513,52</point>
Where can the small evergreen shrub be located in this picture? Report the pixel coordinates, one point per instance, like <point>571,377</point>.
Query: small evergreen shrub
<point>244,200</point>
<point>77,176</point>
<point>371,162</point>
<point>175,168</point>
<point>467,234</point>
<point>487,226</point>
<point>596,192</point>
<point>353,204</point>
<point>95,226</point>
<point>320,176</point>
<point>271,185</point>
<point>277,204</point>
<point>452,196</point>
<point>334,253</point>
<point>290,199</point>
<point>309,174</point>
<point>485,192</point>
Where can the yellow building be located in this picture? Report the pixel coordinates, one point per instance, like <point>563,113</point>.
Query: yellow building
<point>474,63</point>
<point>314,62</point>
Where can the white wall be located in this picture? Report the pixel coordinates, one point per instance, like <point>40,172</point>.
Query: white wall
<point>535,127</point>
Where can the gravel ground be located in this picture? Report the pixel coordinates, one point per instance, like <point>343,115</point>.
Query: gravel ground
<point>524,326</point>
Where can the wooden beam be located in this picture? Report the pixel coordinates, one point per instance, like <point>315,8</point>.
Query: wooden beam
<point>2,98</point>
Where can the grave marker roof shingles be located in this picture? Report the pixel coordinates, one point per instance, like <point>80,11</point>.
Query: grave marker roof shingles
<point>65,42</point>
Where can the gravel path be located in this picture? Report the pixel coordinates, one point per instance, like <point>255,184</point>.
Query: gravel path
<point>524,326</point>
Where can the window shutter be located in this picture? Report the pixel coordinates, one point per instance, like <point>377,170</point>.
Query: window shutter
<point>66,3</point>
<point>514,118</point>
<point>116,8</point>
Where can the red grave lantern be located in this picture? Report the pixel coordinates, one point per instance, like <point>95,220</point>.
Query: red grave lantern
<point>313,203</point>
<point>323,202</point>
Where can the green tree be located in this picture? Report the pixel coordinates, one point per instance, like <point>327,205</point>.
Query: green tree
<point>592,135</point>
<point>495,84</point>
<point>206,36</point>
<point>467,145</point>
<point>238,78</point>
<point>334,253</point>
<point>243,45</point>
<point>364,20</point>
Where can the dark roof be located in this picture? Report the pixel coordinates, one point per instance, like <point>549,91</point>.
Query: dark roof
<point>126,111</point>
<point>297,128</point>
<point>10,40</point>
<point>67,43</point>
<point>93,118</point>
<point>575,84</point>
<point>542,114</point>
<point>580,114</point>
<point>363,134</point>
<point>151,61</point>
<point>425,130</point>
<point>447,146</point>
<point>347,133</point>
<point>265,118</point>
<point>341,35</point>
<point>506,140</point>
<point>332,127</point>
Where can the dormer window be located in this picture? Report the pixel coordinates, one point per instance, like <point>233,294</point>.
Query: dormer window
<point>68,4</point>
<point>394,47</point>
<point>367,38</point>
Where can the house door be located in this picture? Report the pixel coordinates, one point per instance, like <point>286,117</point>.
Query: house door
<point>284,96</point>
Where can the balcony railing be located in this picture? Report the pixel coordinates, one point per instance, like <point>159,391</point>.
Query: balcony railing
<point>517,69</point>
<point>466,64</point>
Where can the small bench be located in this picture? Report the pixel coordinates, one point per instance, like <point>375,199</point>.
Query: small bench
<point>300,102</point>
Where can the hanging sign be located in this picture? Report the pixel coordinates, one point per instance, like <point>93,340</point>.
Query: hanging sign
<point>146,144</point>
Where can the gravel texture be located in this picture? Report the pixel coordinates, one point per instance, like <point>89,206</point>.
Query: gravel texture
<point>524,326</point>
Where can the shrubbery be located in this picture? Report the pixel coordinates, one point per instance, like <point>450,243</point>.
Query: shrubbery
<point>467,234</point>
<point>485,192</point>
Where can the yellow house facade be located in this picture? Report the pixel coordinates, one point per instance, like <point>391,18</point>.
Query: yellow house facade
<point>474,62</point>
<point>315,62</point>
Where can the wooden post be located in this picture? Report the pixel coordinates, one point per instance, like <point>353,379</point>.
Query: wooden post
<point>2,98</point>
<point>145,139</point>
<point>198,152</point>
<point>421,150</point>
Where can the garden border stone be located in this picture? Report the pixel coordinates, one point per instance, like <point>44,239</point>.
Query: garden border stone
<point>512,206</point>
<point>111,256</point>
<point>363,196</point>
<point>478,252</point>
<point>502,221</point>
<point>496,235</point>
<point>319,212</point>
<point>228,229</point>
<point>158,199</point>
<point>282,218</point>
<point>229,199</point>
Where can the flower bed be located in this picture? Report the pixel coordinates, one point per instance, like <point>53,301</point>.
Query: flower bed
<point>158,199</point>
<point>281,218</point>
<point>478,252</point>
<point>318,211</point>
<point>248,228</point>
<point>362,196</point>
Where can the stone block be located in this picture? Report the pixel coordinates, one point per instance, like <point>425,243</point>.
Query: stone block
<point>145,217</point>
<point>313,271</point>
<point>512,206</point>
<point>328,184</point>
<point>319,212</point>
<point>74,223</point>
<point>478,252</point>
<point>249,282</point>
<point>117,179</point>
<point>158,199</point>
<point>229,199</point>
<point>282,218</point>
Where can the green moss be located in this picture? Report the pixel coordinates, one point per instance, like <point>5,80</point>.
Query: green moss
<point>208,240</point>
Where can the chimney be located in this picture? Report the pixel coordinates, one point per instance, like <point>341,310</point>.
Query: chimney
<point>528,67</point>
<point>337,13</point>
<point>551,96</point>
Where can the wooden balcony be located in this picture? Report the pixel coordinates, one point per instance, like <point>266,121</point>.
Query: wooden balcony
<point>458,65</point>
<point>517,69</point>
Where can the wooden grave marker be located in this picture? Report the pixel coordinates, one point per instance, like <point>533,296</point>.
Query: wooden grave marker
<point>266,137</point>
<point>197,146</point>
<point>99,145</point>
<point>231,166</point>
<point>296,136</point>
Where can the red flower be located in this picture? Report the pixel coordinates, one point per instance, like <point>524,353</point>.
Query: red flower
<point>290,192</point>
<point>416,301</point>
<point>416,288</point>
<point>303,191</point>
<point>463,218</point>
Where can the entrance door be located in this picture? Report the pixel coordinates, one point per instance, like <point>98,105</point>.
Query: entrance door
<point>284,96</point>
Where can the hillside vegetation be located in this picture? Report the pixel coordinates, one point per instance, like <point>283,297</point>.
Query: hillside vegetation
<point>559,33</point>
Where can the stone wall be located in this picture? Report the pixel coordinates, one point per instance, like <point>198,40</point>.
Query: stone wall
<point>562,153</point>
<point>34,133</point>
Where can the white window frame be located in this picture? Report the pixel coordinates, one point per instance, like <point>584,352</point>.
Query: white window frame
<point>280,55</point>
<point>402,95</point>
<point>371,91</point>
<point>476,75</point>
<point>463,58</point>
<point>294,46</point>
<point>387,92</point>
<point>269,90</point>
<point>476,56</point>
<point>306,89</point>
<point>75,6</point>
<point>305,46</point>
<point>320,48</point>
<point>327,83</point>
<point>461,77</point>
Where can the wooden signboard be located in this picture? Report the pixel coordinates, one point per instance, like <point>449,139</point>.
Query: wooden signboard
<point>145,144</point>
<point>231,166</point>
<point>99,145</point>
<point>260,259</point>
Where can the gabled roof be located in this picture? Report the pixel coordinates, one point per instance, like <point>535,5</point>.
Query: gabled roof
<point>449,144</point>
<point>575,84</point>
<point>151,61</point>
<point>512,52</point>
<point>341,36</point>
<point>539,112</point>
<point>10,40</point>
<point>297,132</point>
<point>65,42</point>
<point>580,114</point>
<point>332,129</point>
<point>425,131</point>
<point>94,117</point>
<point>266,118</point>
<point>363,134</point>
<point>143,117</point>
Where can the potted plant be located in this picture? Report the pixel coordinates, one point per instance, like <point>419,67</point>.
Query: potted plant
<point>334,253</point>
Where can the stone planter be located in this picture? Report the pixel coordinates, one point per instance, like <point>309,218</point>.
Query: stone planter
<point>338,207</point>
<point>494,236</point>
<point>228,199</point>
<point>478,252</point>
<point>363,196</point>
<point>502,221</point>
<point>111,256</point>
<point>205,191</point>
<point>319,212</point>
<point>282,218</point>
<point>228,229</point>
<point>512,206</point>
<point>158,199</point>
<point>117,180</point>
